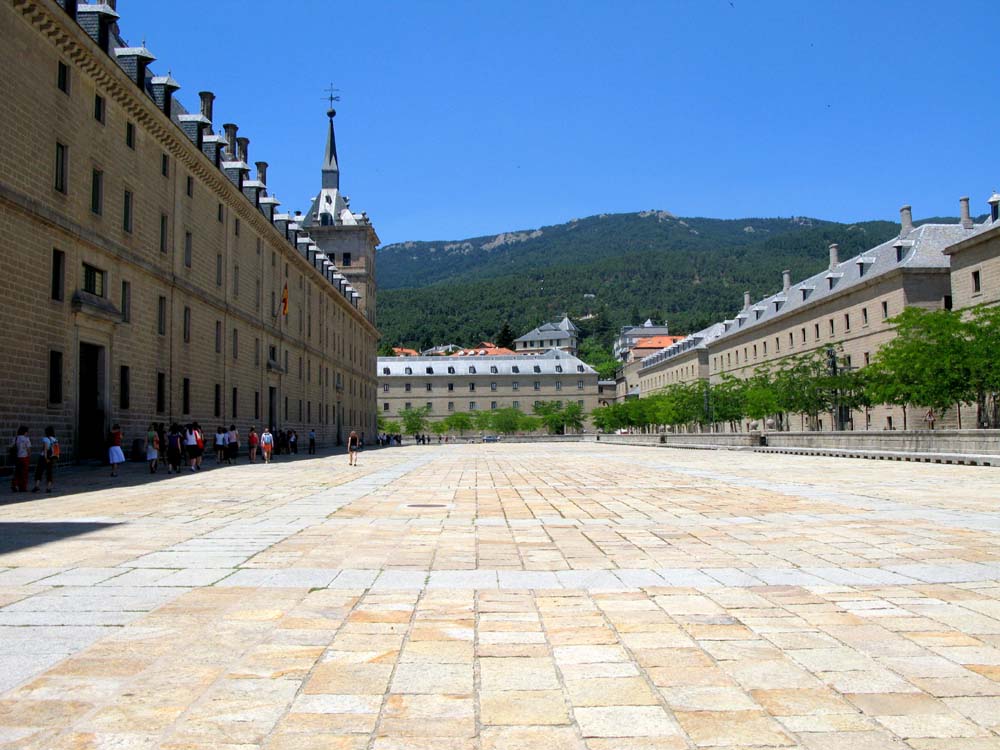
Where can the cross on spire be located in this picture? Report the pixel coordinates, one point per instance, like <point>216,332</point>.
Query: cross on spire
<point>332,95</point>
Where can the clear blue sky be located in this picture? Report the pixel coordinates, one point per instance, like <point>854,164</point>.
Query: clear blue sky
<point>466,118</point>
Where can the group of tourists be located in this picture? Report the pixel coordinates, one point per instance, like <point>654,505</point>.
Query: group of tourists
<point>20,455</point>
<point>180,445</point>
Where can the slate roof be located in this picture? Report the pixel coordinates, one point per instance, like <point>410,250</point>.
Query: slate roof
<point>698,340</point>
<point>920,248</point>
<point>552,362</point>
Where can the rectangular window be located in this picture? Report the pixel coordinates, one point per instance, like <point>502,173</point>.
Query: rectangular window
<point>472,386</point>
<point>831,327</point>
<point>217,410</point>
<point>186,327</point>
<point>55,377</point>
<point>558,385</point>
<point>385,388</point>
<point>864,316</point>
<point>164,227</point>
<point>93,280</point>
<point>236,227</point>
<point>385,406</point>
<point>236,281</point>
<point>188,249</point>
<point>515,386</point>
<point>256,404</point>
<point>62,164</point>
<point>58,274</point>
<point>347,260</point>
<point>451,406</point>
<point>538,385</point>
<point>97,191</point>
<point>165,165</point>
<point>236,403</point>
<point>493,386</point>
<point>219,213</point>
<point>130,135</point>
<point>579,385</point>
<point>472,406</point>
<point>847,322</point>
<point>493,405</point>
<point>161,315</point>
<point>124,396</point>
<point>218,337</point>
<point>189,187</point>
<point>99,108</point>
<point>868,358</point>
<point>218,270</point>
<point>186,396</point>
<point>161,392</point>
<point>62,77</point>
<point>127,212</point>
<point>516,404</point>
<point>885,310</point>
<point>977,282</point>
<point>126,302</point>
<point>407,387</point>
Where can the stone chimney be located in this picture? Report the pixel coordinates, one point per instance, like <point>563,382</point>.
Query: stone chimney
<point>207,99</point>
<point>906,219</point>
<point>834,255</point>
<point>966,216</point>
<point>746,300</point>
<point>786,281</point>
<point>242,149</point>
<point>231,130</point>
<point>262,171</point>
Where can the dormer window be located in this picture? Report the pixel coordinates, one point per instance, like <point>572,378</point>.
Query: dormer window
<point>830,282</point>
<point>472,370</point>
<point>559,368</point>
<point>515,369</point>
<point>900,253</point>
<point>494,370</point>
<point>430,370</point>
<point>409,371</point>
<point>385,370</point>
<point>757,314</point>
<point>451,370</point>
<point>579,368</point>
<point>537,368</point>
<point>805,294</point>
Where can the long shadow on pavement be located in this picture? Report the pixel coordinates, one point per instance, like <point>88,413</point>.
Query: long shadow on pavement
<point>17,535</point>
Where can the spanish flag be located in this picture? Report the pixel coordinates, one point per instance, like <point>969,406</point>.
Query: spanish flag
<point>284,300</point>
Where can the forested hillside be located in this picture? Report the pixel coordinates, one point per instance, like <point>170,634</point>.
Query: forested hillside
<point>622,268</point>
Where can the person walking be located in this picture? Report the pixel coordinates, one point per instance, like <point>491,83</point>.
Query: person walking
<point>115,455</point>
<point>293,441</point>
<point>267,444</point>
<point>220,444</point>
<point>20,452</point>
<point>174,443</point>
<point>152,448</point>
<point>199,441</point>
<point>232,444</point>
<point>312,442</point>
<point>253,440</point>
<point>352,448</point>
<point>191,446</point>
<point>47,460</point>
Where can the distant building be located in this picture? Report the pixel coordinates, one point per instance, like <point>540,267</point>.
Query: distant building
<point>441,351</point>
<point>483,349</point>
<point>628,335</point>
<point>401,351</point>
<point>646,346</point>
<point>562,334</point>
<point>682,361</point>
<point>479,383</point>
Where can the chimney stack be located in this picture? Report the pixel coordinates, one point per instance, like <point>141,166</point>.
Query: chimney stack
<point>906,219</point>
<point>231,129</point>
<point>966,216</point>
<point>834,255</point>
<point>746,300</point>
<point>207,98</point>
<point>262,171</point>
<point>243,146</point>
<point>786,281</point>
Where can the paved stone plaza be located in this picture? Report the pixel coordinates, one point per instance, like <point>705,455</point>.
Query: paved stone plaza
<point>549,596</point>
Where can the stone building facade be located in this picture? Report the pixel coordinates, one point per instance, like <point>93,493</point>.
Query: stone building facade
<point>975,264</point>
<point>846,308</point>
<point>468,384</point>
<point>153,279</point>
<point>561,334</point>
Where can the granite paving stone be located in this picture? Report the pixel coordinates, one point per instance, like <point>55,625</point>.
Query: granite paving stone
<point>569,596</point>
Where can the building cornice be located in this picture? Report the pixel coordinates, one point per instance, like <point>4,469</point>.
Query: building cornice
<point>989,234</point>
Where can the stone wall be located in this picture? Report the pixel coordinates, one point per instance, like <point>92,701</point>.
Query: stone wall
<point>981,442</point>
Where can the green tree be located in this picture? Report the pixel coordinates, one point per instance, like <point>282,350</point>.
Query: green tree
<point>759,396</point>
<point>460,422</point>
<point>572,417</point>
<point>385,349</point>
<point>983,334</point>
<point>414,420</point>
<point>508,421</point>
<point>599,357</point>
<point>727,401</point>
<point>440,427</point>
<point>505,338</point>
<point>550,414</point>
<point>927,364</point>
<point>483,420</point>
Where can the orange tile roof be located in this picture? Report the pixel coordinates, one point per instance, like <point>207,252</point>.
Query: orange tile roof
<point>400,351</point>
<point>483,351</point>
<point>656,342</point>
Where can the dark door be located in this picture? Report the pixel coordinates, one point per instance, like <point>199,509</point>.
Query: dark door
<point>91,427</point>
<point>272,407</point>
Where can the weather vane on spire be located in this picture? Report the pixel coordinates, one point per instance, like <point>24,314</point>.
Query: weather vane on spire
<point>332,95</point>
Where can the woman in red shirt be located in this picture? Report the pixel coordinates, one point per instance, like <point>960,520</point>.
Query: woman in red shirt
<point>115,455</point>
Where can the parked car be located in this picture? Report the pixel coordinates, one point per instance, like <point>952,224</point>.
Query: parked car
<point>491,439</point>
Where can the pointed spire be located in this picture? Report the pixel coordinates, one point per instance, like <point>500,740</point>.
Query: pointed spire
<point>331,170</point>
